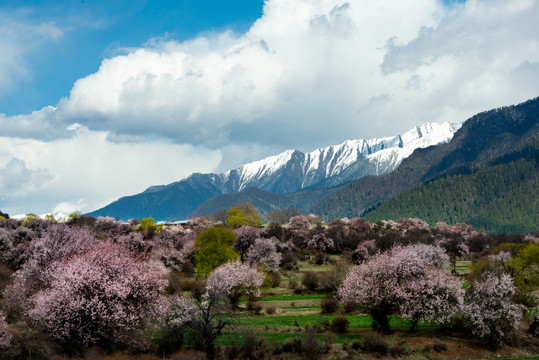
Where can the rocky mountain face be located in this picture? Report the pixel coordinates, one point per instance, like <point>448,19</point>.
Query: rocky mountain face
<point>285,173</point>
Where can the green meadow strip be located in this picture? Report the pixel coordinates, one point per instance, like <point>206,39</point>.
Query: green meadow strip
<point>301,307</point>
<point>356,321</point>
<point>289,297</point>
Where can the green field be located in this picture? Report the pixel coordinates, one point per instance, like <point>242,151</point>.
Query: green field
<point>292,312</point>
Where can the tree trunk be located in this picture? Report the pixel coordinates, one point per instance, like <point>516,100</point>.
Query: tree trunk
<point>534,325</point>
<point>413,327</point>
<point>382,319</point>
<point>210,351</point>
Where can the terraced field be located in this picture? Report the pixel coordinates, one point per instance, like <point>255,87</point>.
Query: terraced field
<point>283,313</point>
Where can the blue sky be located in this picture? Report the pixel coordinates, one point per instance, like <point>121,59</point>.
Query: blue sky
<point>92,30</point>
<point>102,99</point>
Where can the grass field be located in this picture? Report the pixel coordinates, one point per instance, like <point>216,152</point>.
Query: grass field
<point>284,314</point>
<point>292,313</point>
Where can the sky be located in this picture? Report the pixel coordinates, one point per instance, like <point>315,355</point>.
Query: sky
<point>101,99</point>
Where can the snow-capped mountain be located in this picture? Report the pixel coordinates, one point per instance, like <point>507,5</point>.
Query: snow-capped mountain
<point>293,170</point>
<point>284,173</point>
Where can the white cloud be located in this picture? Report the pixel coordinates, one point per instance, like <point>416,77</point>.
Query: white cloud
<point>361,67</point>
<point>16,175</point>
<point>308,73</point>
<point>88,171</point>
<point>302,63</point>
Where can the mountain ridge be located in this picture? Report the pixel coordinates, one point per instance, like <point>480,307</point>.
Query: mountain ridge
<point>483,140</point>
<point>284,173</point>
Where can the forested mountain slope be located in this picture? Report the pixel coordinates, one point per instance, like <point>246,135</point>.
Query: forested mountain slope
<point>485,140</point>
<point>501,198</point>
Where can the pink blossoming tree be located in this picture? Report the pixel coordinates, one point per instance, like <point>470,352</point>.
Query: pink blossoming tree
<point>432,254</point>
<point>299,222</point>
<point>264,252</point>
<point>365,249</point>
<point>401,282</point>
<point>319,242</point>
<point>245,237</point>
<point>490,309</point>
<point>60,242</point>
<point>234,280</point>
<point>99,296</point>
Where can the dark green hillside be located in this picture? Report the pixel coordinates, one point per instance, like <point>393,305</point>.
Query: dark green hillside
<point>499,198</point>
<point>486,139</point>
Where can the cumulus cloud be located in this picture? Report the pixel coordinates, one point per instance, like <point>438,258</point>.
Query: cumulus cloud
<point>87,171</point>
<point>16,175</point>
<point>303,63</point>
<point>308,73</point>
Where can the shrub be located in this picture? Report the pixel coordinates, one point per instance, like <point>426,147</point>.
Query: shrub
<point>276,278</point>
<point>258,309</point>
<point>310,280</point>
<point>292,284</point>
<point>188,268</point>
<point>319,258</point>
<point>272,279</point>
<point>28,342</point>
<point>323,323</point>
<point>294,345</point>
<point>247,346</point>
<point>312,348</point>
<point>254,307</point>
<point>5,336</point>
<point>439,346</point>
<point>233,351</point>
<point>332,279</point>
<point>339,324</point>
<point>270,310</point>
<point>398,349</point>
<point>168,341</point>
<point>289,260</point>
<point>375,343</point>
<point>175,283</point>
<point>328,305</point>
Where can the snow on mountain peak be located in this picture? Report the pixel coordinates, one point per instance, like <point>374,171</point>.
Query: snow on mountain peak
<point>293,170</point>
